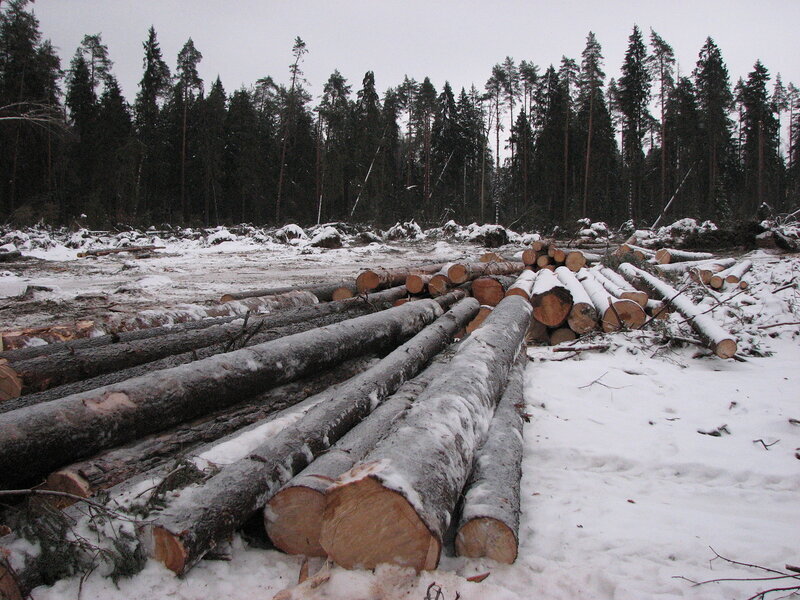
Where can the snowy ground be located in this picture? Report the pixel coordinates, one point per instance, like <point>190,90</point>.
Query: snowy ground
<point>622,497</point>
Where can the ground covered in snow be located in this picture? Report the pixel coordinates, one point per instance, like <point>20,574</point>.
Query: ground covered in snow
<point>639,460</point>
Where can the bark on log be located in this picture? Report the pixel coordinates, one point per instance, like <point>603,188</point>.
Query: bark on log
<point>614,313</point>
<point>154,318</point>
<point>619,289</point>
<point>37,439</point>
<point>489,523</point>
<point>195,523</point>
<point>10,255</point>
<point>583,314</point>
<point>85,478</point>
<point>394,506</point>
<point>732,274</point>
<point>45,372</point>
<point>666,256</point>
<point>720,341</point>
<point>551,301</point>
<point>682,267</point>
<point>324,292</point>
<point>489,291</point>
<point>638,251</point>
<point>373,279</point>
<point>523,285</point>
<point>463,272</point>
<point>107,251</point>
<point>293,516</point>
<point>537,333</point>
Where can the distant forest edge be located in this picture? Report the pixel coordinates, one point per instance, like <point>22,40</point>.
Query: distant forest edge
<point>572,145</point>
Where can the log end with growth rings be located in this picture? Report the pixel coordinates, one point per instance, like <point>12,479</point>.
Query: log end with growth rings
<point>486,537</point>
<point>293,519</point>
<point>367,281</point>
<point>551,308</point>
<point>366,524</point>
<point>342,293</point>
<point>227,298</point>
<point>726,348</point>
<point>458,273</point>
<point>69,482</point>
<point>10,383</point>
<point>169,550</point>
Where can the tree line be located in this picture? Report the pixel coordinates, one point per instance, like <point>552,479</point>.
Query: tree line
<point>533,146</point>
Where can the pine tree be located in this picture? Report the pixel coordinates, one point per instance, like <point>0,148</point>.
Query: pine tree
<point>242,166</point>
<point>682,126</point>
<point>714,99</point>
<point>368,138</point>
<point>511,91</point>
<point>568,80</point>
<point>335,112</point>
<point>424,109</point>
<point>117,169</point>
<point>662,62</point>
<point>188,88</point>
<point>633,98</point>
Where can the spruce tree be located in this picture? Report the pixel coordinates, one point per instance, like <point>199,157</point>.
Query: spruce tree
<point>662,62</point>
<point>188,88</point>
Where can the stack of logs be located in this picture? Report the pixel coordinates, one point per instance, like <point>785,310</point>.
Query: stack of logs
<point>307,413</point>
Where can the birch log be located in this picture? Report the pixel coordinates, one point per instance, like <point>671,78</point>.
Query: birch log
<point>583,314</point>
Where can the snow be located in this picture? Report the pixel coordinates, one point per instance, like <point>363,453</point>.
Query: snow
<point>620,493</point>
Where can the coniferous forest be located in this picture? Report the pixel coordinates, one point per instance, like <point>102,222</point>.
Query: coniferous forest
<point>535,145</point>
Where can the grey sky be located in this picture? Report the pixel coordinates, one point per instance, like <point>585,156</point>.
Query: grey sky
<point>243,40</point>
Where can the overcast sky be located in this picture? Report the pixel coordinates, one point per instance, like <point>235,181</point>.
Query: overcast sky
<point>459,41</point>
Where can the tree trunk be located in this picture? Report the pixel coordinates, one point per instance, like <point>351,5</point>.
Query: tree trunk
<point>490,290</point>
<point>463,272</point>
<point>666,256</point>
<point>523,285</point>
<point>616,284</point>
<point>293,516</point>
<point>87,477</point>
<point>583,315</point>
<point>586,171</point>
<point>389,509</point>
<point>45,436</point>
<point>191,526</point>
<point>489,523</point>
<point>324,292</point>
<point>377,278</point>
<point>614,313</point>
<point>720,341</point>
<point>551,301</point>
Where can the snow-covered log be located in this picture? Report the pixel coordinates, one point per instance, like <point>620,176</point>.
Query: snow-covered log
<point>293,516</point>
<point>489,523</point>
<point>85,478</point>
<point>108,251</point>
<point>44,372</point>
<point>731,275</point>
<point>324,292</point>
<point>43,437</point>
<point>682,267</point>
<point>377,278</point>
<point>490,290</point>
<point>550,299</point>
<point>614,313</point>
<point>638,251</point>
<point>720,341</point>
<point>583,314</point>
<point>483,313</point>
<point>665,256</point>
<point>395,505</point>
<point>196,522</point>
<point>617,286</point>
<point>463,272</point>
<point>440,282</point>
<point>523,285</point>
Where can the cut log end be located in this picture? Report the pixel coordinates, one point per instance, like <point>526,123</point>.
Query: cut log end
<point>227,298</point>
<point>169,550</point>
<point>367,281</point>
<point>551,309</point>
<point>438,285</point>
<point>629,312</point>
<point>486,537</point>
<point>366,524</point>
<point>663,257</point>
<point>415,284</point>
<point>342,293</point>
<point>726,348</point>
<point>10,383</point>
<point>561,335</point>
<point>575,261</point>
<point>69,482</point>
<point>458,273</point>
<point>293,519</point>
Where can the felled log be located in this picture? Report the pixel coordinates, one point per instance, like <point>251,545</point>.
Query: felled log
<point>45,372</point>
<point>440,282</point>
<point>665,256</point>
<point>463,272</point>
<point>551,301</point>
<point>194,524</point>
<point>43,437</point>
<point>107,251</point>
<point>394,506</point>
<point>732,275</point>
<point>619,289</point>
<point>154,318</point>
<point>537,333</point>
<point>417,283</point>
<point>638,251</point>
<point>720,341</point>
<point>324,292</point>
<point>575,260</point>
<point>377,278</point>
<point>489,523</point>
<point>85,478</point>
<point>523,285</point>
<point>540,245</point>
<point>484,312</point>
<point>10,255</point>
<point>293,516</point>
<point>582,316</point>
<point>543,260</point>
<point>490,290</point>
<point>561,334</point>
<point>614,313</point>
<point>557,254</point>
<point>529,256</point>
<point>682,267</point>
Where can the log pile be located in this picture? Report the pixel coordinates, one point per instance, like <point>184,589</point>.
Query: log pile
<point>294,417</point>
